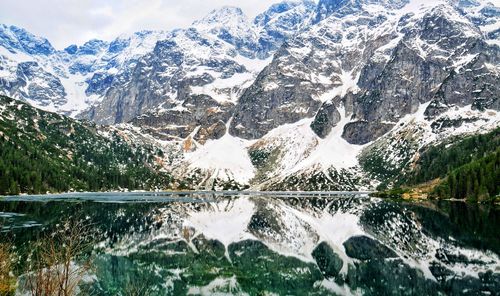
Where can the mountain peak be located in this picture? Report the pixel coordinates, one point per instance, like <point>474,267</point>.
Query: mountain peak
<point>72,49</point>
<point>229,24</point>
<point>280,8</point>
<point>92,47</point>
<point>326,8</point>
<point>18,39</point>
<point>221,16</point>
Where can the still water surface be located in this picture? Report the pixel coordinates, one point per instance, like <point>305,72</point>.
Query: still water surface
<point>231,243</point>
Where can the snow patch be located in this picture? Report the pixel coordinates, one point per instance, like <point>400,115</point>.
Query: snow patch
<point>227,158</point>
<point>225,222</point>
<point>333,151</point>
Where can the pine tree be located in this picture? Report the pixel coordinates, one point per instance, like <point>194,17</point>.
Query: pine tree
<point>14,188</point>
<point>452,185</point>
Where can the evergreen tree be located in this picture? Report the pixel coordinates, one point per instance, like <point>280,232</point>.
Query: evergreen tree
<point>37,157</point>
<point>14,188</point>
<point>475,181</point>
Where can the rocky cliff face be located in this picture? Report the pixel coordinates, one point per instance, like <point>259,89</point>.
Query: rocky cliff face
<point>296,93</point>
<point>380,64</point>
<point>218,56</point>
<point>70,80</point>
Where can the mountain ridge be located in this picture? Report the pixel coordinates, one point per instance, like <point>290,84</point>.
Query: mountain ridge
<point>299,93</point>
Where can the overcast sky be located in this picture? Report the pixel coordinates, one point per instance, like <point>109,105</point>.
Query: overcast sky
<point>66,22</point>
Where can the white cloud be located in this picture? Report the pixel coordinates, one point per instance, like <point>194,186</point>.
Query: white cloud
<point>66,22</point>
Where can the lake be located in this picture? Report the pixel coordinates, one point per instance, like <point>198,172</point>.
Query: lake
<point>278,243</point>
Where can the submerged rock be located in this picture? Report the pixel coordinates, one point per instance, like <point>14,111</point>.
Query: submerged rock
<point>390,277</point>
<point>262,270</point>
<point>365,248</point>
<point>328,261</point>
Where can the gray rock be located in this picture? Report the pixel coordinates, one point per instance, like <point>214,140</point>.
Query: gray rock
<point>327,117</point>
<point>415,74</point>
<point>474,83</point>
<point>362,132</point>
<point>212,132</point>
<point>197,111</point>
<point>27,86</point>
<point>365,248</point>
<point>264,106</point>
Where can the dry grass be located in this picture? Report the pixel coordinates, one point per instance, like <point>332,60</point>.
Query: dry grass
<point>421,191</point>
<point>54,270</point>
<point>7,280</point>
<point>138,286</point>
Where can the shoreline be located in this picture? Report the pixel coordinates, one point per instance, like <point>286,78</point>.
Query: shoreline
<point>185,192</point>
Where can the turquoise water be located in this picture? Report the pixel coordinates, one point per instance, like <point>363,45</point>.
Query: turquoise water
<point>278,243</point>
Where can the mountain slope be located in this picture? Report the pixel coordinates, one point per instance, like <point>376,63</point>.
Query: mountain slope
<point>459,168</point>
<point>42,152</point>
<point>218,56</point>
<point>474,181</point>
<point>367,66</point>
<point>337,95</point>
<point>89,78</point>
<point>351,77</point>
<point>67,81</point>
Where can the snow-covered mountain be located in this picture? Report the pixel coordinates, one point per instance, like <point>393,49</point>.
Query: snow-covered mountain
<point>82,81</point>
<point>66,81</point>
<point>288,100</point>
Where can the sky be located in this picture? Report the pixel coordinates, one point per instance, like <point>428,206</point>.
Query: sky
<point>66,22</point>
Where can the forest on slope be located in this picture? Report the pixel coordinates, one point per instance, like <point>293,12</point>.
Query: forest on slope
<point>474,181</point>
<point>459,168</point>
<point>44,152</point>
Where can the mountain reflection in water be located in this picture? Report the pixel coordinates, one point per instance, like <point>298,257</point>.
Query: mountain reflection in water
<point>281,243</point>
